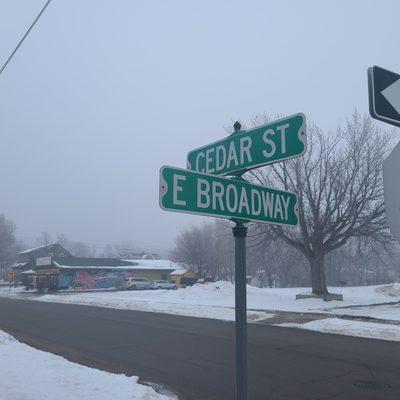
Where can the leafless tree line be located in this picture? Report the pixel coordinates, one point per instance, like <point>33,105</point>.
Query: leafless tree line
<point>208,250</point>
<point>342,237</point>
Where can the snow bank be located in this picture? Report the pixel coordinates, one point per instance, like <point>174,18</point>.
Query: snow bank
<point>5,338</point>
<point>351,328</point>
<point>392,290</point>
<point>46,376</point>
<point>214,300</point>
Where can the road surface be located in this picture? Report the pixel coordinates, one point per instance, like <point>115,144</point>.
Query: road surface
<point>195,357</point>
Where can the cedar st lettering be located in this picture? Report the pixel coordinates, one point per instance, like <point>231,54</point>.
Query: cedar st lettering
<point>240,152</point>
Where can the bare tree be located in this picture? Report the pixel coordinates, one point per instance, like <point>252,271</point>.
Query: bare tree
<point>79,249</point>
<point>62,239</point>
<point>340,190</point>
<point>362,261</point>
<point>223,259</point>
<point>275,259</point>
<point>194,247</point>
<point>8,244</point>
<point>43,239</point>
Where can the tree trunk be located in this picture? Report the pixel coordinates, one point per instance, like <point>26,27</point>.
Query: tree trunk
<point>318,279</point>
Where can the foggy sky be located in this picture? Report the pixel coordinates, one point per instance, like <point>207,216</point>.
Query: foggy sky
<point>103,93</point>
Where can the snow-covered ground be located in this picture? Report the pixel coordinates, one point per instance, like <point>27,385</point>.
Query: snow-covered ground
<point>203,300</point>
<point>49,377</point>
<point>7,290</point>
<point>351,328</point>
<point>217,300</point>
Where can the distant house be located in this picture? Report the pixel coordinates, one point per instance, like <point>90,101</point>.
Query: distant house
<point>26,260</point>
<point>83,273</point>
<point>92,273</point>
<point>183,276</point>
<point>159,269</point>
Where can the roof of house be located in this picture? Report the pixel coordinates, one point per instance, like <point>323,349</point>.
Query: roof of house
<point>91,262</point>
<point>54,248</point>
<point>19,264</point>
<point>156,264</point>
<point>179,272</point>
<point>31,250</point>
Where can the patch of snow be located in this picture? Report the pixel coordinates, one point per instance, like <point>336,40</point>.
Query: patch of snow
<point>179,272</point>
<point>392,290</point>
<point>50,377</point>
<point>351,328</point>
<point>114,267</point>
<point>203,299</point>
<point>383,312</point>
<point>162,301</point>
<point>155,264</point>
<point>10,291</point>
<point>33,249</point>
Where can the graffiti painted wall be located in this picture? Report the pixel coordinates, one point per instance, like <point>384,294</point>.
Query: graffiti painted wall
<point>90,279</point>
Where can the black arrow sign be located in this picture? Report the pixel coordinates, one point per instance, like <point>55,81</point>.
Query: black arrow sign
<point>384,95</point>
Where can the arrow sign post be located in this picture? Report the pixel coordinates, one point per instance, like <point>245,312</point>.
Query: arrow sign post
<point>244,150</point>
<point>197,193</point>
<point>391,181</point>
<point>384,95</point>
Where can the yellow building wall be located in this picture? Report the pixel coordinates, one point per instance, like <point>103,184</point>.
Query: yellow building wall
<point>156,275</point>
<point>177,278</point>
<point>152,275</point>
<point>47,271</point>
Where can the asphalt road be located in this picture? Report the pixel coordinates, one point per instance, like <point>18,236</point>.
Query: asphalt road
<point>195,357</point>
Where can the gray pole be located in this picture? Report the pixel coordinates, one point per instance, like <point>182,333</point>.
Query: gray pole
<point>240,233</point>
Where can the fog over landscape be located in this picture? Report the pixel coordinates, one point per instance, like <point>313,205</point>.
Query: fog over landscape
<point>97,100</point>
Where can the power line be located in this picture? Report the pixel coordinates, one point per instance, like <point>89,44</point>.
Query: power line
<point>24,37</point>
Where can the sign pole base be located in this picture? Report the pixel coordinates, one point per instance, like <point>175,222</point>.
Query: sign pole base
<point>240,234</point>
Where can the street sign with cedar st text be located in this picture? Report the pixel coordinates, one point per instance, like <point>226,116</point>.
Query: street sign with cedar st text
<point>198,193</point>
<point>245,150</point>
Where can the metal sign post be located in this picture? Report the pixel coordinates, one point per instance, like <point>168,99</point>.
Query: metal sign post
<point>240,233</point>
<point>202,190</point>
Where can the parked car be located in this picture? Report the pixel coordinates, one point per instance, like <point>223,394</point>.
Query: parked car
<point>205,280</point>
<point>187,281</point>
<point>137,283</point>
<point>163,285</point>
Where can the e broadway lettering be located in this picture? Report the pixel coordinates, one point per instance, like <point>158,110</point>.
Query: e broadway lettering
<point>198,193</point>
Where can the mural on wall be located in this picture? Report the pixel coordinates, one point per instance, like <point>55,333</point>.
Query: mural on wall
<point>92,279</point>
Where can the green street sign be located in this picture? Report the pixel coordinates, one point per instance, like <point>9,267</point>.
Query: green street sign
<point>267,144</point>
<point>192,192</point>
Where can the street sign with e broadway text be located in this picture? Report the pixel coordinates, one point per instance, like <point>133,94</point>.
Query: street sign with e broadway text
<point>267,144</point>
<point>198,193</point>
<point>384,95</point>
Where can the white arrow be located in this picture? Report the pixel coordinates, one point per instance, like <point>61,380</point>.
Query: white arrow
<point>392,95</point>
